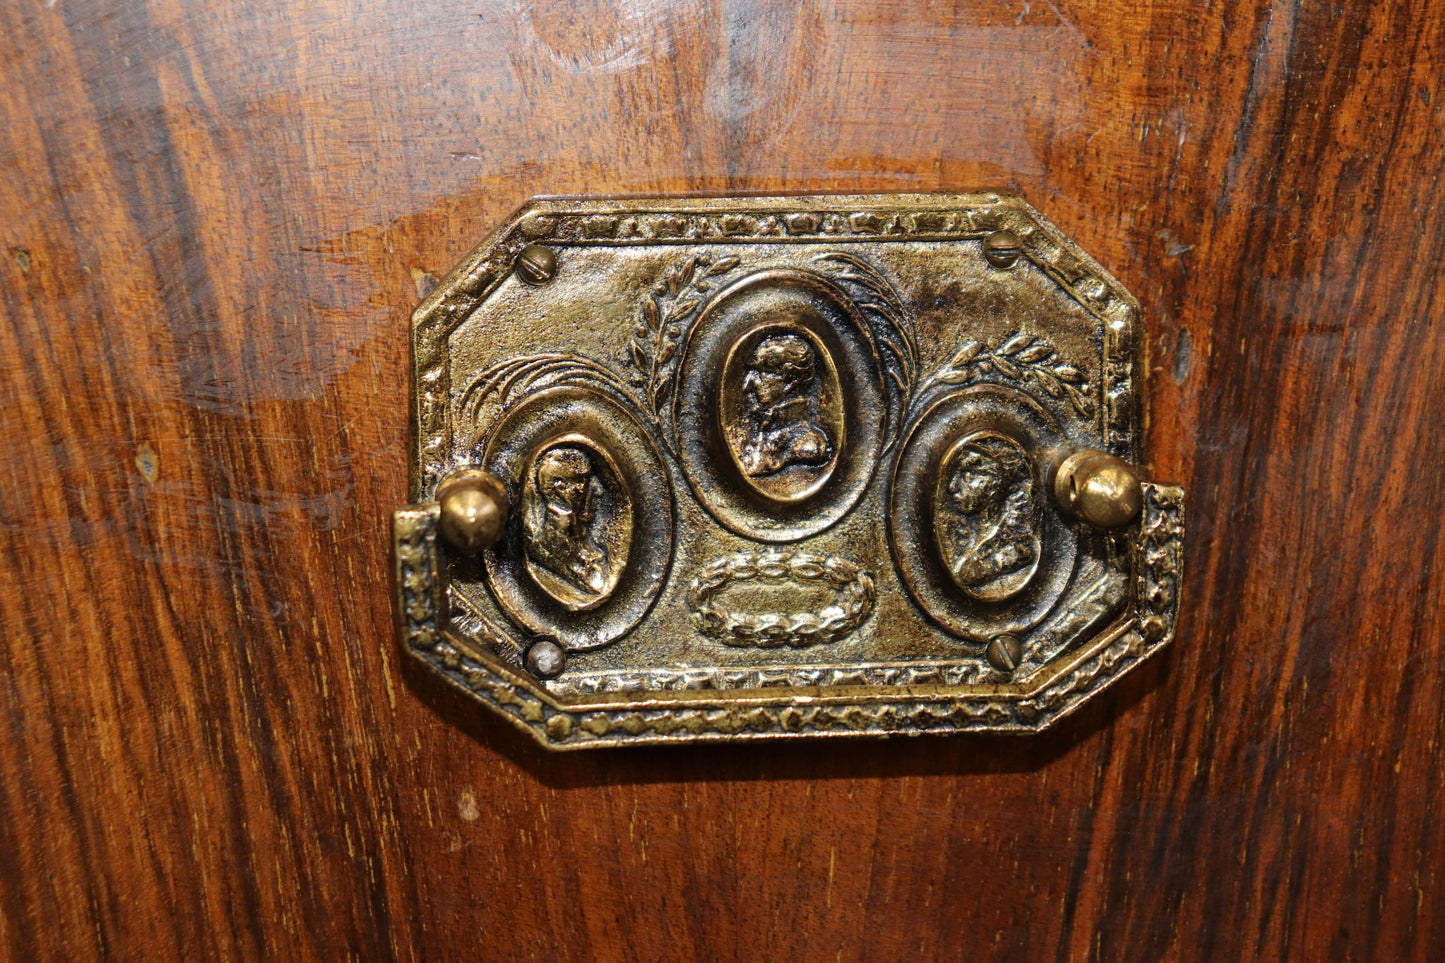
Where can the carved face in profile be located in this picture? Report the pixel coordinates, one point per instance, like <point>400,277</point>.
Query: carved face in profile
<point>781,426</point>
<point>576,523</point>
<point>988,522</point>
<point>976,481</point>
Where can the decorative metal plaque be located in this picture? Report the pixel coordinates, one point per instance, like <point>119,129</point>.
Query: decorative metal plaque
<point>703,469</point>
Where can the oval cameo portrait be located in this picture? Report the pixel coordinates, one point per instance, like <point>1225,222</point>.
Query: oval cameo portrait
<point>588,543</point>
<point>988,521</point>
<point>781,410</point>
<point>576,522</point>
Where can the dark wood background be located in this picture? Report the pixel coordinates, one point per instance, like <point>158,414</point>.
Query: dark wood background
<point>216,219</point>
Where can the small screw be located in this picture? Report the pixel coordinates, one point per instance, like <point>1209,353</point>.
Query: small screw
<point>1005,653</point>
<point>1002,249</point>
<point>536,264</point>
<point>545,659</point>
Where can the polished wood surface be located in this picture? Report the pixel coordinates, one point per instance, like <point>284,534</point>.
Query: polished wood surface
<point>217,218</point>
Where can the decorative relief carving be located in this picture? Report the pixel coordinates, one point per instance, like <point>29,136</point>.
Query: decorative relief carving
<point>777,392</point>
<point>1021,360</point>
<point>584,558</point>
<point>781,410</point>
<point>964,218</point>
<point>671,304</point>
<point>941,707</point>
<point>421,605</point>
<point>1159,560</point>
<point>761,225</point>
<point>698,680</point>
<point>970,537</point>
<point>576,522</point>
<point>774,578</point>
<point>781,420</point>
<point>1120,407</point>
<point>895,336</point>
<point>988,520</point>
<point>497,389</point>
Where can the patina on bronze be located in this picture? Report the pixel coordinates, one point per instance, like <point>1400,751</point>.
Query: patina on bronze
<point>761,467</point>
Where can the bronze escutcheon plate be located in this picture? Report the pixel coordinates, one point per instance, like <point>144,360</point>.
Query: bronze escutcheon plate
<point>706,469</point>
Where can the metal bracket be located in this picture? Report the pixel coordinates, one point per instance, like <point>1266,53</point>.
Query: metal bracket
<point>700,469</point>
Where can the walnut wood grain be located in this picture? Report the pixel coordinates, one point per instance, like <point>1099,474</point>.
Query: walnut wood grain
<point>217,218</point>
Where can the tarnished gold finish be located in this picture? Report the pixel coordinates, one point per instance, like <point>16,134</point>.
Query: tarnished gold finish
<point>782,411</point>
<point>781,466</point>
<point>1099,488</point>
<point>473,510</point>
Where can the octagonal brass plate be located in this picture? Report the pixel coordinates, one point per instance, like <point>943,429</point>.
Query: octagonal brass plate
<point>781,466</point>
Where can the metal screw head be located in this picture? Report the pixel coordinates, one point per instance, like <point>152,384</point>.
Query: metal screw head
<point>473,507</point>
<point>545,659</point>
<point>1098,488</point>
<point>535,264</point>
<point>1002,249</point>
<point>1004,652</point>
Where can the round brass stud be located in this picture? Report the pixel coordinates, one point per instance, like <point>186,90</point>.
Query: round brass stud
<point>473,507</point>
<point>1098,488</point>
<point>536,264</point>
<point>546,659</point>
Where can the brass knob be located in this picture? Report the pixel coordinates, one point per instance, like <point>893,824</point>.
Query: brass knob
<point>1098,488</point>
<point>473,508</point>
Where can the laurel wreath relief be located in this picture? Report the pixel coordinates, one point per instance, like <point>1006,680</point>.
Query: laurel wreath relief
<point>853,598</point>
<point>665,313</point>
<point>1021,359</point>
